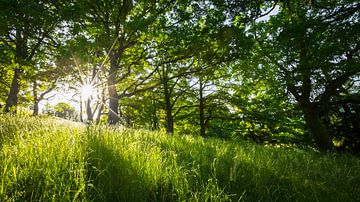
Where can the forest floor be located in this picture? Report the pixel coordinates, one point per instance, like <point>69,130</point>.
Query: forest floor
<point>46,159</point>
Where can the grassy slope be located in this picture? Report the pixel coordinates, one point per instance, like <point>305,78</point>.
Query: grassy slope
<point>44,159</point>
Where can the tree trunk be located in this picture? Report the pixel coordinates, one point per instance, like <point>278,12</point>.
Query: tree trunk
<point>98,117</point>
<point>169,121</point>
<point>81,110</point>
<point>168,109</point>
<point>36,108</point>
<point>12,99</point>
<point>201,109</point>
<point>36,100</point>
<point>154,116</point>
<point>113,116</point>
<point>317,128</point>
<point>20,58</point>
<point>89,113</point>
<point>101,108</point>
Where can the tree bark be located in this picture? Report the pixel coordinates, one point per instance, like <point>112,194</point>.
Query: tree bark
<point>36,101</point>
<point>101,108</point>
<point>317,128</point>
<point>113,116</point>
<point>201,109</point>
<point>168,109</point>
<point>89,113</point>
<point>20,58</point>
<point>169,121</point>
<point>36,108</point>
<point>12,99</point>
<point>98,117</point>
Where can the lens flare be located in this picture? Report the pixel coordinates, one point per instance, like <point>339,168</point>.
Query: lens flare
<point>87,91</point>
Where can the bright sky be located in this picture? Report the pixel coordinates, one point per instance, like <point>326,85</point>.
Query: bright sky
<point>70,96</point>
<point>273,12</point>
<point>61,95</point>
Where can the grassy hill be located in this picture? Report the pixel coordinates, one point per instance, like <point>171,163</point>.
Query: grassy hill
<point>45,159</point>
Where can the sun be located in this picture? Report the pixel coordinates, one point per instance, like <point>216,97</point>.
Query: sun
<point>87,90</point>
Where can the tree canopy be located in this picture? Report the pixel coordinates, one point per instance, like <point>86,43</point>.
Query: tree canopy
<point>267,71</point>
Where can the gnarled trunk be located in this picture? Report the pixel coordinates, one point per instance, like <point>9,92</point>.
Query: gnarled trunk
<point>12,99</point>
<point>317,128</point>
<point>20,58</point>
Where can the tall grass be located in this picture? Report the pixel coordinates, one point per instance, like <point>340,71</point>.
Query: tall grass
<point>45,159</point>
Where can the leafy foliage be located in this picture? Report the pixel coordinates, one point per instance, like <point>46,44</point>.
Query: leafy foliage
<point>268,71</point>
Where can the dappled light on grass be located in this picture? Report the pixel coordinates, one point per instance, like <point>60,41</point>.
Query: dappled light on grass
<point>44,159</point>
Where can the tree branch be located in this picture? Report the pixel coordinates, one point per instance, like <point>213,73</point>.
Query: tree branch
<point>182,107</point>
<point>331,88</point>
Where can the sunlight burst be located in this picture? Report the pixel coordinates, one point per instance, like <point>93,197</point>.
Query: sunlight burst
<point>87,90</point>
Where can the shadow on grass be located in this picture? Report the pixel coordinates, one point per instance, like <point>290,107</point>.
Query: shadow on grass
<point>115,179</point>
<point>240,179</point>
<point>111,175</point>
<point>209,170</point>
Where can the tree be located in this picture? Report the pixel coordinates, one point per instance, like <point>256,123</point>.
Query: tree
<point>316,49</point>
<point>39,97</point>
<point>83,65</point>
<point>171,76</point>
<point>64,110</point>
<point>43,77</point>
<point>5,81</point>
<point>121,28</point>
<point>25,28</point>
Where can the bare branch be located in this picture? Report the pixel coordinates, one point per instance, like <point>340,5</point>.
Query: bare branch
<point>180,94</point>
<point>331,88</point>
<point>137,84</point>
<point>272,8</point>
<point>47,91</point>
<point>182,107</point>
